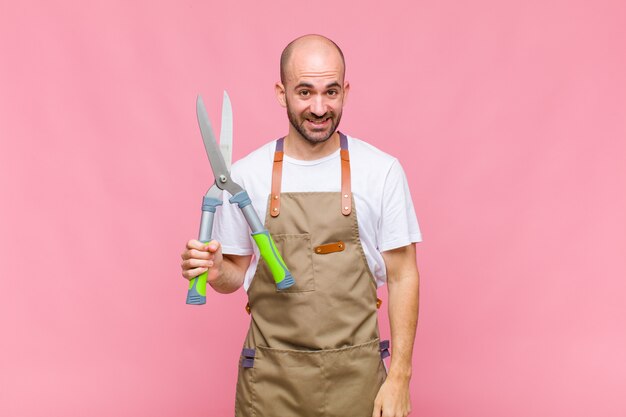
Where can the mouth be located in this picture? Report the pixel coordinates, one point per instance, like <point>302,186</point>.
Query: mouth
<point>318,123</point>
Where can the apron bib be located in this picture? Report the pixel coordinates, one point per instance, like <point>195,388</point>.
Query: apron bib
<point>313,349</point>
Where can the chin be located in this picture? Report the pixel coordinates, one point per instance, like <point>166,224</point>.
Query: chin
<point>320,139</point>
<point>318,136</point>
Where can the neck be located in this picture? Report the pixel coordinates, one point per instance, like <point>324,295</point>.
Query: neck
<point>299,148</point>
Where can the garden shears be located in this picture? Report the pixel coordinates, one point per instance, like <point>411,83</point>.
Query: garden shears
<point>220,158</point>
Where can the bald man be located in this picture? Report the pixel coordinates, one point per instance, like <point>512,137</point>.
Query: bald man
<point>341,214</point>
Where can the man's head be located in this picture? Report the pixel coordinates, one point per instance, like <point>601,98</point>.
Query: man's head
<point>312,87</point>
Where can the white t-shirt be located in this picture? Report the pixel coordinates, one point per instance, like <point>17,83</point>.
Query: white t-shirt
<point>385,212</point>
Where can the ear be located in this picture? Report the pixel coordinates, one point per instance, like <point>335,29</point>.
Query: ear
<point>346,90</point>
<point>279,89</point>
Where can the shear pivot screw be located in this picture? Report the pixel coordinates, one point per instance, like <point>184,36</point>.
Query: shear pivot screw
<point>223,178</point>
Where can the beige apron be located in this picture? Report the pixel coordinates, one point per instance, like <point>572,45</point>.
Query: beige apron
<point>313,349</point>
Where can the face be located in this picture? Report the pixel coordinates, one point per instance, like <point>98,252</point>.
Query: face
<point>313,94</point>
<point>315,111</point>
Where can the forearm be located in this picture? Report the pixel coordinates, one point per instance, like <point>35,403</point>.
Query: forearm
<point>231,274</point>
<point>403,292</point>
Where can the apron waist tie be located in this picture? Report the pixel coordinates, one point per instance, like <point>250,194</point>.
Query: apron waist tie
<point>379,302</point>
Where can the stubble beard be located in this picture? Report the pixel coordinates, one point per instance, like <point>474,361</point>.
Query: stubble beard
<point>298,125</point>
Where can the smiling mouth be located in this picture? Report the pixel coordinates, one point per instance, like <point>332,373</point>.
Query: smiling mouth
<point>318,122</point>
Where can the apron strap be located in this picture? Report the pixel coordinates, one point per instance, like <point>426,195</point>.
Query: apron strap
<point>277,176</point>
<point>346,192</point>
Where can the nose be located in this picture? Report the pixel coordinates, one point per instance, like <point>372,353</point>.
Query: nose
<point>318,107</point>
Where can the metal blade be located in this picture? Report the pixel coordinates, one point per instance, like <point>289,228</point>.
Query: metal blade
<point>226,133</point>
<point>220,172</point>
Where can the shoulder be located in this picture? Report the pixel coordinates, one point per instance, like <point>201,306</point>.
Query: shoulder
<point>368,157</point>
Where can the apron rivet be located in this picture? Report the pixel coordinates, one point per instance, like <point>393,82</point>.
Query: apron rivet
<point>275,209</point>
<point>275,197</point>
<point>345,195</point>
<point>345,208</point>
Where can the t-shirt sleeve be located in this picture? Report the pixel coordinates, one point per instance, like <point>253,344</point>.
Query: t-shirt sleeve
<point>398,226</point>
<point>231,230</point>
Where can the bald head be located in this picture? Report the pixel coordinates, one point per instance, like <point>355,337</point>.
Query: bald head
<point>308,44</point>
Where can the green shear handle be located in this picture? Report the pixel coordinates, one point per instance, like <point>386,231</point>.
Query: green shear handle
<point>264,241</point>
<point>196,294</point>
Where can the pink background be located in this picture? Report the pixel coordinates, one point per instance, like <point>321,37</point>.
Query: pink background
<point>507,116</point>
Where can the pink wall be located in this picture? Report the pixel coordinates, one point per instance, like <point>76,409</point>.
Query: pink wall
<point>507,116</point>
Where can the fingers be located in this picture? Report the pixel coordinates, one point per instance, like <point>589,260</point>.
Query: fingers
<point>386,408</point>
<point>196,263</point>
<point>377,408</point>
<point>196,254</point>
<point>198,257</point>
<point>197,249</point>
<point>196,244</point>
<point>192,273</point>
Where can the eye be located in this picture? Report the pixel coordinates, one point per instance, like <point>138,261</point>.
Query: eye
<point>304,93</point>
<point>332,92</point>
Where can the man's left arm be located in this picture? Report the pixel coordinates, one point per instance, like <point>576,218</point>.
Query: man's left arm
<point>403,289</point>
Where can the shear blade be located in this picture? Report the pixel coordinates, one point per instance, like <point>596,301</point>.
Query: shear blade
<point>218,165</point>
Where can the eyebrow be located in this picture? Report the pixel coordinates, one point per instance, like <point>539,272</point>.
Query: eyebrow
<point>309,85</point>
<point>305,85</point>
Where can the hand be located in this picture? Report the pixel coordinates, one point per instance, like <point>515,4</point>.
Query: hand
<point>392,399</point>
<point>201,257</point>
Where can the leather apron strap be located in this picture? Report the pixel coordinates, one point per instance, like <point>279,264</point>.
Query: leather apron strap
<point>346,192</point>
<point>277,175</point>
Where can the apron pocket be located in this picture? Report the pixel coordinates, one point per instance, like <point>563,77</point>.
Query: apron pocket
<point>334,382</point>
<point>286,383</point>
<point>296,252</point>
<point>354,376</point>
